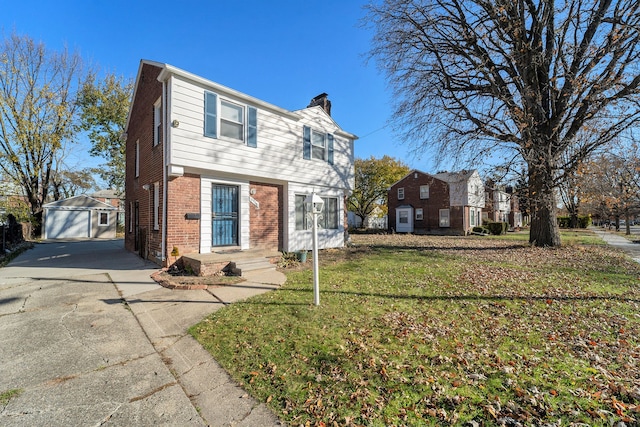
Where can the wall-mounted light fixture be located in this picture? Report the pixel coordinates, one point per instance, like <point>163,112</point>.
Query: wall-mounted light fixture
<point>175,123</point>
<point>146,187</point>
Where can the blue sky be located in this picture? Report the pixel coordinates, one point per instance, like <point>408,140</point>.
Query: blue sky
<point>282,51</point>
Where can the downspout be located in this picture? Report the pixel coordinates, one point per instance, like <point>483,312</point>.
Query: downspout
<point>165,139</point>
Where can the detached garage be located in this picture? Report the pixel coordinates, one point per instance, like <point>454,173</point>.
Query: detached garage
<point>79,217</point>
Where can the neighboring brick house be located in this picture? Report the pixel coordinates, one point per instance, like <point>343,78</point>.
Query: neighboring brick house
<point>445,203</point>
<point>497,204</point>
<point>210,168</point>
<point>419,203</point>
<point>501,206</point>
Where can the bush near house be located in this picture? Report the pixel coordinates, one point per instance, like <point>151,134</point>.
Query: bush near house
<point>497,228</point>
<point>583,221</point>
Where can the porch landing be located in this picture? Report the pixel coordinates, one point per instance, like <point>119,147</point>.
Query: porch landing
<point>235,261</point>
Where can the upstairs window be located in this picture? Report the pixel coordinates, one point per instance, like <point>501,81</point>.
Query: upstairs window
<point>157,122</point>
<point>401,193</point>
<point>424,192</point>
<point>317,145</point>
<point>229,120</point>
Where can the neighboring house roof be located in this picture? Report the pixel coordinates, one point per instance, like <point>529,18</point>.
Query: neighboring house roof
<point>459,176</point>
<point>106,194</point>
<point>409,174</point>
<point>80,202</point>
<point>169,70</point>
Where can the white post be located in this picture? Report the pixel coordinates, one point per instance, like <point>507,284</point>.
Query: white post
<point>316,280</point>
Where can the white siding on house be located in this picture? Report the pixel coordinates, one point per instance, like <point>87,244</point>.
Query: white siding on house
<point>278,155</point>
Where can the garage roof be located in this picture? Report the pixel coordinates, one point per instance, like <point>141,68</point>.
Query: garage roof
<point>80,202</point>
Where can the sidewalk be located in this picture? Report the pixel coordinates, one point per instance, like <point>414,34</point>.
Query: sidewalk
<point>620,242</point>
<point>166,314</point>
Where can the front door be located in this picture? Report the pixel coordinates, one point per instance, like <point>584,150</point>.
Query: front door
<point>404,219</point>
<point>224,213</point>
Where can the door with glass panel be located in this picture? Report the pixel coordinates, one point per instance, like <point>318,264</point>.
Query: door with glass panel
<point>224,215</point>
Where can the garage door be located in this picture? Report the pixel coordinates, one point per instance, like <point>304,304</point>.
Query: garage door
<point>67,224</point>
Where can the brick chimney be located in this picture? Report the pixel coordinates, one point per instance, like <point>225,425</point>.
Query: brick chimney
<point>323,101</point>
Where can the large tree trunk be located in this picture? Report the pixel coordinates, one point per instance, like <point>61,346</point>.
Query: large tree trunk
<point>544,223</point>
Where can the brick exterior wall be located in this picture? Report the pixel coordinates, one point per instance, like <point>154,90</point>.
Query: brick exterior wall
<point>150,168</point>
<point>266,226</point>
<point>183,197</point>
<point>438,199</point>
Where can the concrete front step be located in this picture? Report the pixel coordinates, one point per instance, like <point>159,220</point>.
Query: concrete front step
<point>244,266</point>
<point>242,261</point>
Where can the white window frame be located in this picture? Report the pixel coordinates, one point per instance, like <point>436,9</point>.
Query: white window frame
<point>445,219</point>
<point>419,214</point>
<point>318,148</point>
<point>137,158</point>
<point>424,192</point>
<point>228,121</point>
<point>156,206</point>
<point>100,223</point>
<point>130,217</point>
<point>401,193</point>
<point>157,122</point>
<point>303,221</point>
<point>403,216</point>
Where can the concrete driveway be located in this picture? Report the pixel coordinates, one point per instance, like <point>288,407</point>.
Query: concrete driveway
<point>88,339</point>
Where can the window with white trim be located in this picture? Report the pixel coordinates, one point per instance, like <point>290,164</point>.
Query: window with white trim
<point>328,219</point>
<point>317,145</point>
<point>403,216</point>
<point>424,192</point>
<point>230,120</point>
<point>444,218</point>
<point>401,193</point>
<point>157,122</point>
<point>419,214</point>
<point>103,219</point>
<point>156,206</point>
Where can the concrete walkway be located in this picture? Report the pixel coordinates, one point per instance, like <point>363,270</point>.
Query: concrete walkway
<point>620,242</point>
<point>82,357</point>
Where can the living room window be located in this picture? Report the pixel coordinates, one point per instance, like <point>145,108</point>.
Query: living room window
<point>419,214</point>
<point>327,220</point>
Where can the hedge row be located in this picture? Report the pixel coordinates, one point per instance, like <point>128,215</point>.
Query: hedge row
<point>583,221</point>
<point>495,228</point>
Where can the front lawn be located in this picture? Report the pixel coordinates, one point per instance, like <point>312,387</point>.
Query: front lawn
<point>420,330</point>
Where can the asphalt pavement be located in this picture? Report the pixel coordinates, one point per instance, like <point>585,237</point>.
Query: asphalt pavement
<point>89,339</point>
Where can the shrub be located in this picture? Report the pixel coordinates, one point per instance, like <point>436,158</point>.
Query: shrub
<point>497,228</point>
<point>583,221</point>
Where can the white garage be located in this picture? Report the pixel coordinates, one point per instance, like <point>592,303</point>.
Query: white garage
<point>79,217</point>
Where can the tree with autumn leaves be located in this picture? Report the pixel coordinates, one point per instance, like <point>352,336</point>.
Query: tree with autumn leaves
<point>373,177</point>
<point>542,82</point>
<point>610,186</point>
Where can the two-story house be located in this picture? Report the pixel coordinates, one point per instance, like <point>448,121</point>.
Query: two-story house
<point>466,201</point>
<point>210,168</point>
<point>419,203</point>
<point>497,204</point>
